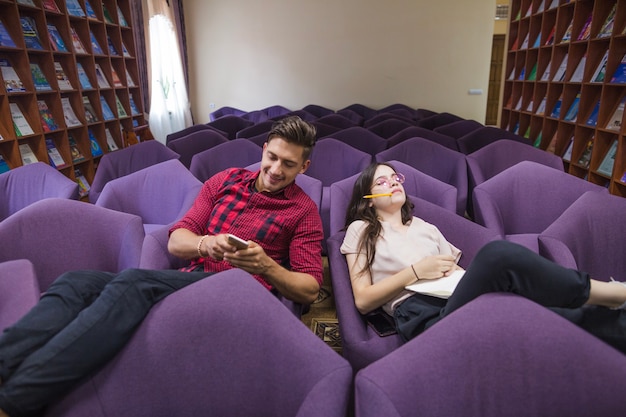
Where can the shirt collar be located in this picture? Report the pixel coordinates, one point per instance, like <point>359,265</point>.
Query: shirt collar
<point>288,192</point>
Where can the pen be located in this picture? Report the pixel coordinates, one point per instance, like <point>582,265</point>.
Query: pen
<point>377,195</point>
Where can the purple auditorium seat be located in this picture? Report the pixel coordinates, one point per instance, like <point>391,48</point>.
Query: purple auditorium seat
<point>259,139</point>
<point>191,356</point>
<point>388,128</point>
<point>478,138</point>
<point>256,116</point>
<point>275,111</point>
<point>523,200</point>
<point>380,117</point>
<point>24,185</point>
<point>238,153</point>
<point>424,113</point>
<point>421,132</point>
<point>304,115</point>
<point>161,194</point>
<point>317,110</point>
<point>60,235</point>
<point>399,109</point>
<point>188,146</point>
<point>589,236</point>
<point>128,160</point>
<point>351,115</point>
<point>226,110</point>
<point>231,124</point>
<point>19,290</point>
<point>500,355</point>
<point>256,129</point>
<point>360,344</point>
<point>458,129</point>
<point>324,129</point>
<point>191,129</point>
<point>337,120</point>
<point>435,160</point>
<point>361,109</point>
<point>361,139</point>
<point>438,119</point>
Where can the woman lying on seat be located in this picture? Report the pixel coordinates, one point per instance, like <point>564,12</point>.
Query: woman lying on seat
<point>387,249</point>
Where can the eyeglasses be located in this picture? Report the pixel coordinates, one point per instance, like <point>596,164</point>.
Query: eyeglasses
<point>386,182</point>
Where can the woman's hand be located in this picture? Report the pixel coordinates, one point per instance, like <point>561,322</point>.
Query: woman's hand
<point>435,266</point>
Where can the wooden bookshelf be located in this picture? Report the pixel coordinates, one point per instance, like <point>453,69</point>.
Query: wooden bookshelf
<point>558,64</point>
<point>115,62</point>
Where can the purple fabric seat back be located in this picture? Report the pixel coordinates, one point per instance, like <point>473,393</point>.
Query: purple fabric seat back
<point>438,119</point>
<point>353,116</point>
<point>381,117</point>
<point>337,120</point>
<point>231,124</point>
<point>435,160</point>
<point>388,128</point>
<point>235,153</point>
<point>481,137</point>
<point>226,110</point>
<point>324,129</point>
<point>189,130</point>
<point>60,235</point>
<point>424,113</point>
<point>458,129</point>
<point>500,355</point>
<point>421,132</point>
<point>589,236</point>
<point>361,109</point>
<point>188,146</point>
<point>275,111</point>
<point>27,184</point>
<point>161,194</point>
<point>317,110</point>
<point>128,160</point>
<point>192,356</point>
<point>256,129</point>
<point>19,290</point>
<point>361,139</point>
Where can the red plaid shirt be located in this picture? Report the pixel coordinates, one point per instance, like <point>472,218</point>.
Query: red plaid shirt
<point>286,224</point>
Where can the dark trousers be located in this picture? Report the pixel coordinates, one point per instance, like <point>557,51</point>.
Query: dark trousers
<point>503,266</point>
<point>80,323</point>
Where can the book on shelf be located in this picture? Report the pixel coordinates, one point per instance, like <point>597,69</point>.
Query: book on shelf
<point>90,112</point>
<point>50,5</point>
<point>529,107</point>
<point>615,122</point>
<point>4,166</point>
<point>116,78</point>
<point>546,73</point>
<point>77,155</point>
<point>567,155</point>
<point>572,112</point>
<point>567,36</point>
<point>12,82</point>
<point>121,111</point>
<point>82,77</point>
<point>30,3</point>
<point>592,120</point>
<point>107,113</point>
<point>600,72</point>
<point>62,80</point>
<point>83,184</point>
<point>79,48</point>
<point>107,15</point>
<point>89,11</point>
<point>556,111</point>
<point>441,287</point>
<point>532,75</point>
<point>550,39</point>
<point>47,120</point>
<point>41,83</point>
<point>552,145</point>
<point>96,150</point>
<point>585,156</point>
<point>129,79</point>
<point>56,160</point>
<point>585,32</point>
<point>68,113</point>
<point>541,109</point>
<point>525,43</point>
<point>518,105</point>
<point>27,154</point>
<point>29,30</point>
<point>5,37</point>
<point>607,27</point>
<point>619,76</point>
<point>100,77</point>
<point>537,42</point>
<point>606,166</point>
<point>112,48</point>
<point>121,17</point>
<point>515,45</point>
<point>20,124</point>
<point>56,40</point>
<point>111,145</point>
<point>125,51</point>
<point>579,72</point>
<point>538,139</point>
<point>73,8</point>
<point>623,179</point>
<point>134,110</point>
<point>95,46</point>
<point>541,6</point>
<point>560,72</point>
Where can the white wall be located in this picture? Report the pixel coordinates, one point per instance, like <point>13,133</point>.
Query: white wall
<point>251,54</point>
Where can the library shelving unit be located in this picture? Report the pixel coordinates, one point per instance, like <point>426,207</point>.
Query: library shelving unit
<point>565,84</point>
<point>61,75</point>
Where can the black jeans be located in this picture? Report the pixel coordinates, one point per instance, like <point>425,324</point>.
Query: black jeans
<point>80,323</point>
<point>502,266</point>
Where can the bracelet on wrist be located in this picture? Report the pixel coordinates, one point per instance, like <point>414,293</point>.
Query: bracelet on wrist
<point>415,273</point>
<point>199,248</point>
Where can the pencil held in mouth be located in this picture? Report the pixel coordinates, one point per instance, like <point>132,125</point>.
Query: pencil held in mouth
<point>377,195</point>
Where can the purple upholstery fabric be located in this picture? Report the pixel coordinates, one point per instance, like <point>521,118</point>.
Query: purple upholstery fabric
<point>226,110</point>
<point>361,139</point>
<point>589,236</point>
<point>125,161</point>
<point>523,200</point>
<point>154,253</point>
<point>381,117</point>
<point>231,124</point>
<point>399,108</point>
<point>24,185</point>
<point>324,129</point>
<point>353,116</point>
<point>424,113</point>
<point>388,128</point>
<point>361,109</point>
<point>317,110</point>
<point>191,129</point>
<point>435,160</point>
<point>19,290</point>
<point>59,235</point>
<point>256,129</point>
<point>256,116</point>
<point>188,146</point>
<point>438,119</point>
<point>361,346</point>
<point>458,129</point>
<point>235,153</point>
<point>160,194</point>
<point>478,138</point>
<point>337,120</point>
<point>197,354</point>
<point>275,111</point>
<point>421,132</point>
<point>500,355</point>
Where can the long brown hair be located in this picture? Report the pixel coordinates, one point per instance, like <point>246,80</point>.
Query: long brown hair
<point>360,209</point>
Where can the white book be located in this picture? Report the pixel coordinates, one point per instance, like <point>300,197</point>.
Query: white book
<point>62,80</point>
<point>54,155</point>
<point>598,75</point>
<point>22,128</point>
<point>110,141</point>
<point>577,76</point>
<point>441,287</point>
<point>12,81</point>
<point>129,79</point>
<point>102,80</point>
<point>606,167</point>
<point>28,156</point>
<point>560,73</point>
<point>615,122</point>
<point>567,156</point>
<point>542,107</point>
<point>68,113</point>
<point>546,73</point>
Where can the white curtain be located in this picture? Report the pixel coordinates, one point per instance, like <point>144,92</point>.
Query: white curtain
<point>169,103</point>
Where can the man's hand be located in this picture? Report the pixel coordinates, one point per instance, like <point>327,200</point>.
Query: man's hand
<point>253,260</point>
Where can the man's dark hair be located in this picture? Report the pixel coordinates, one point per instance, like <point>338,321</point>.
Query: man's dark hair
<point>293,129</point>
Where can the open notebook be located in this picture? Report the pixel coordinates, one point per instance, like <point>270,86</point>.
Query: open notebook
<point>440,287</point>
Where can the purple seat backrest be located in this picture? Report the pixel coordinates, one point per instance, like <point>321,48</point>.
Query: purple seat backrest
<point>188,146</point>
<point>237,153</point>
